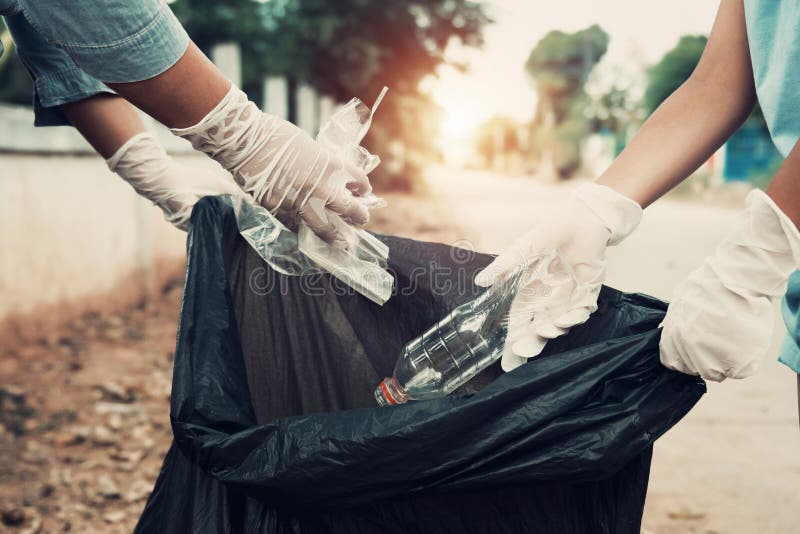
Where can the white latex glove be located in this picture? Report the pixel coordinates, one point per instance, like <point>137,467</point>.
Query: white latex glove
<point>146,166</point>
<point>594,217</point>
<point>281,166</point>
<point>720,323</point>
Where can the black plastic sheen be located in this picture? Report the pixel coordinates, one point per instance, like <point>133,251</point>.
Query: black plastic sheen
<point>276,430</point>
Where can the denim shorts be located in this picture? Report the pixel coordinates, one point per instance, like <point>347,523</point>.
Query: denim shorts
<point>69,46</point>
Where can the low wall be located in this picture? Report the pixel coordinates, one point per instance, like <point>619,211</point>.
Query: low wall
<point>73,236</point>
<point>17,135</point>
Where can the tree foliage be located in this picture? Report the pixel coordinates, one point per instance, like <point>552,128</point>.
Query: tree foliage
<point>611,111</point>
<point>16,86</point>
<point>559,67</point>
<point>345,49</point>
<point>672,70</point>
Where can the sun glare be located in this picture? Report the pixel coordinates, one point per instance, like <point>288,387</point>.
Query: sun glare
<point>458,127</point>
<point>458,121</point>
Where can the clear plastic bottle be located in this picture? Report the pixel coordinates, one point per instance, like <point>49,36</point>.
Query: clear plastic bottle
<point>451,352</point>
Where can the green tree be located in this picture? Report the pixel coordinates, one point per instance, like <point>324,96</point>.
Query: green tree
<point>5,42</point>
<point>611,111</point>
<point>614,112</point>
<point>559,67</point>
<point>672,70</point>
<point>15,83</point>
<point>345,49</point>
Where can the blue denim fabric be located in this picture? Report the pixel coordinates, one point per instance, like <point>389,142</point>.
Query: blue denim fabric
<point>56,78</point>
<point>114,40</point>
<point>70,45</point>
<point>9,7</point>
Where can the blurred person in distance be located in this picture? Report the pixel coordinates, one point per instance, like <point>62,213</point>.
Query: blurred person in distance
<point>92,65</point>
<point>720,322</point>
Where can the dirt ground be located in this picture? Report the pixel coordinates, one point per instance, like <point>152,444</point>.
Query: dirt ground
<point>731,466</point>
<point>84,422</point>
<point>84,416</point>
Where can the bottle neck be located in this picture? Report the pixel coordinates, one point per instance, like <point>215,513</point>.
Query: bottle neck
<point>389,393</point>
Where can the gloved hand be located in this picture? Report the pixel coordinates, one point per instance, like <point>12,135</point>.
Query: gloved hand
<point>145,165</point>
<point>594,217</point>
<point>720,323</point>
<point>281,166</point>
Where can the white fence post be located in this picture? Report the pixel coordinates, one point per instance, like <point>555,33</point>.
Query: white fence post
<point>276,96</point>
<point>228,58</point>
<point>326,106</point>
<point>307,109</point>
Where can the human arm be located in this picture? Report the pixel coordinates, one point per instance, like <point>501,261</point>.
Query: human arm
<point>690,125</point>
<point>105,120</point>
<point>680,135</point>
<point>721,320</point>
<point>784,188</point>
<point>272,160</point>
<point>113,127</point>
<point>141,51</point>
<point>275,162</point>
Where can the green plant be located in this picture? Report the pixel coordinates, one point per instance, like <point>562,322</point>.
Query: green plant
<point>345,49</point>
<point>559,67</point>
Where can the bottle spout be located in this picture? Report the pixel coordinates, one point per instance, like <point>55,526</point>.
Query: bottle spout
<point>389,393</point>
<point>381,398</point>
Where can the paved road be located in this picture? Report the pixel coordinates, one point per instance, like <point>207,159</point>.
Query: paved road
<point>733,464</point>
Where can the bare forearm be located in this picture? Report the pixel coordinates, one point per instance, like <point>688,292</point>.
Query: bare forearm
<point>106,121</point>
<point>179,97</point>
<point>784,188</point>
<point>679,137</point>
<point>183,94</point>
<point>695,120</point>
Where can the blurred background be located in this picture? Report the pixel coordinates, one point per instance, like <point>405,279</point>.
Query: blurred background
<point>496,110</point>
<point>553,92</point>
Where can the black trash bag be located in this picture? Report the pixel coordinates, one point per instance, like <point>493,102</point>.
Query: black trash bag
<point>276,427</point>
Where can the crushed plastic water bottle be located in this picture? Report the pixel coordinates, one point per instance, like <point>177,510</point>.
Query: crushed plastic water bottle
<point>467,341</point>
<point>362,263</point>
